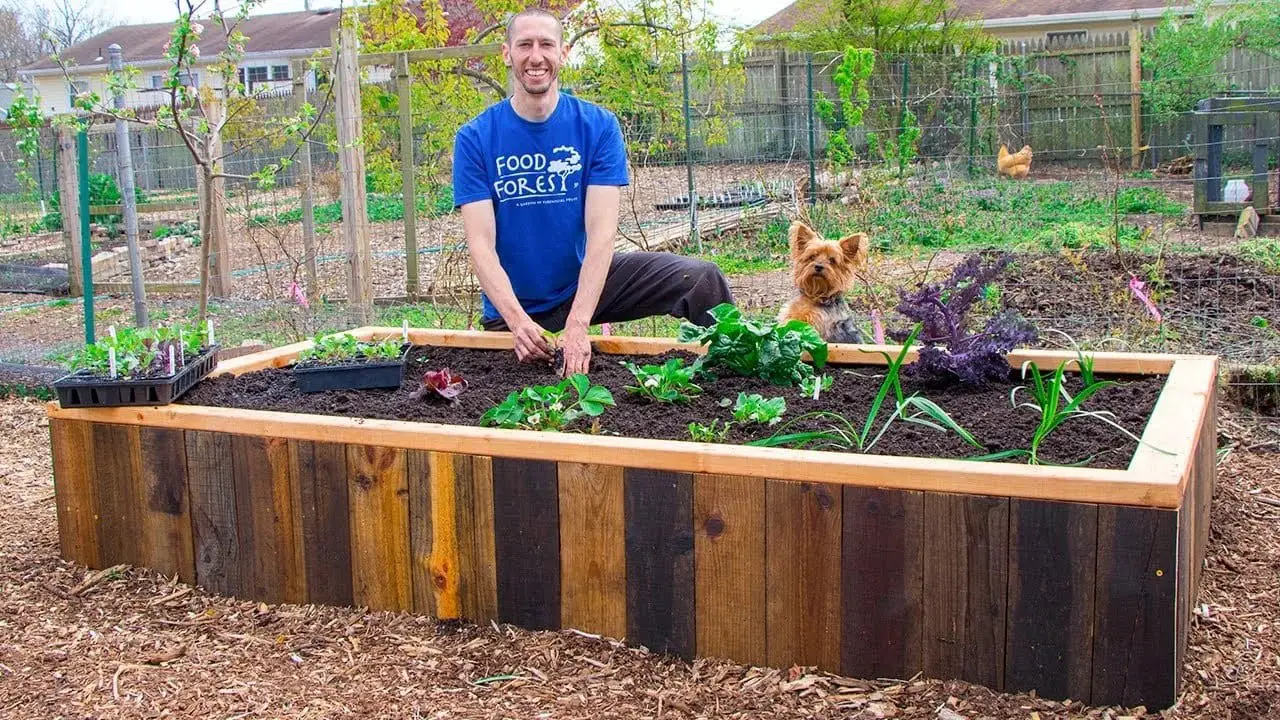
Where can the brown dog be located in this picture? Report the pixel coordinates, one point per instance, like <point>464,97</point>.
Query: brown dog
<point>823,270</point>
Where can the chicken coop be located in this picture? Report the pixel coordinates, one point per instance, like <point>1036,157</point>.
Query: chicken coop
<point>1218,191</point>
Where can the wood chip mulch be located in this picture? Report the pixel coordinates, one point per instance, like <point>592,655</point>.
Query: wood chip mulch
<point>129,643</point>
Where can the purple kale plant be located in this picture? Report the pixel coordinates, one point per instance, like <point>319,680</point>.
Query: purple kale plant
<point>950,350</point>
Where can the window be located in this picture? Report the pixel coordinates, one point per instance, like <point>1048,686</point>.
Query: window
<point>257,74</point>
<point>279,72</point>
<point>1066,37</point>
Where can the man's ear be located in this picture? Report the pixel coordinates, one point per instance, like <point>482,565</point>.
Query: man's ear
<point>854,248</point>
<point>800,237</point>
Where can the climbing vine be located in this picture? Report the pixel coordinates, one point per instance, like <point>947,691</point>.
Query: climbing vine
<point>851,81</point>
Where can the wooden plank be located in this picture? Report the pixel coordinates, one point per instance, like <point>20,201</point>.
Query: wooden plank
<point>116,458</point>
<point>729,564</point>
<point>1179,413</point>
<point>882,583</point>
<point>910,473</point>
<point>526,510</point>
<point>74,490</point>
<point>214,524</point>
<point>803,574</point>
<point>1134,613</point>
<point>966,575</point>
<point>421,531</point>
<point>270,560</point>
<point>455,52</point>
<point>1052,563</point>
<point>148,207</point>
<point>453,565</point>
<point>69,186</point>
<point>480,599</point>
<point>593,561</point>
<point>322,514</point>
<point>166,541</point>
<point>660,571</point>
<point>378,495</point>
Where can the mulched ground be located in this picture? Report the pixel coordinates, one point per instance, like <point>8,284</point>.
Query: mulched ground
<point>138,645</point>
<point>986,412</point>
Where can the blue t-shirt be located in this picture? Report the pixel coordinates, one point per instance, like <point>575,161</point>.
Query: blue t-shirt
<point>536,174</point>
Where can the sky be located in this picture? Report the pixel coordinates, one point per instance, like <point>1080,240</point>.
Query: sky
<point>744,12</point>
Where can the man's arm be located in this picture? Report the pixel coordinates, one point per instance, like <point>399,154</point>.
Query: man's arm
<point>480,227</point>
<point>602,227</point>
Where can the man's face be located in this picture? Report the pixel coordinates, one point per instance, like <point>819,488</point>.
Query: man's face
<point>535,53</point>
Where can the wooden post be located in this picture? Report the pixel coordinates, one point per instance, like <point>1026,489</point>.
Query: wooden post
<point>408,168</point>
<point>305,185</point>
<point>1135,95</point>
<point>219,247</point>
<point>128,198</point>
<point>69,206</point>
<point>351,165</point>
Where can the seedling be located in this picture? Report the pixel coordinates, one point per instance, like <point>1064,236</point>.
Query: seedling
<point>140,352</point>
<point>812,387</point>
<point>548,407</point>
<point>441,383</point>
<point>756,348</point>
<point>670,382</point>
<point>714,432</point>
<point>343,347</point>
<point>755,408</point>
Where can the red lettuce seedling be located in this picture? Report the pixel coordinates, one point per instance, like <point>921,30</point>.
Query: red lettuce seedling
<point>950,350</point>
<point>441,382</point>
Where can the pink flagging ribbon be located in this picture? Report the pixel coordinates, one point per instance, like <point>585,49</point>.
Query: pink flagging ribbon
<point>877,330</point>
<point>297,294</point>
<point>1137,287</point>
<point>606,329</point>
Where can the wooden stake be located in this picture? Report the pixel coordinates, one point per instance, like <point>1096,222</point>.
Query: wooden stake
<point>1135,95</point>
<point>219,248</point>
<point>351,162</point>
<point>404,86</point>
<point>70,209</point>
<point>304,185</point>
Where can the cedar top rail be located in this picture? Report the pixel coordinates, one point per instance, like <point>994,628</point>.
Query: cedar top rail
<point>1154,479</point>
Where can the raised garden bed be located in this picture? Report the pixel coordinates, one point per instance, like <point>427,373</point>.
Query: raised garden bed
<point>1075,582</point>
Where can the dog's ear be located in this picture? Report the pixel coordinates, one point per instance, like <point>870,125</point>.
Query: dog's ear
<point>854,248</point>
<point>801,236</point>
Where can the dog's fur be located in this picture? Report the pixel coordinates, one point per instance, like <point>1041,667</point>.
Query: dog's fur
<point>823,270</point>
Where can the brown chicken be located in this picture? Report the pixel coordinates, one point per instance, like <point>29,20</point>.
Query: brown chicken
<point>1015,165</point>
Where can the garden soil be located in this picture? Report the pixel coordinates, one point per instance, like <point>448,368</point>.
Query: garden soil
<point>134,644</point>
<point>985,412</point>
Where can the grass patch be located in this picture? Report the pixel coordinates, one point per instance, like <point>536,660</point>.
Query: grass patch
<point>381,207</point>
<point>739,253</point>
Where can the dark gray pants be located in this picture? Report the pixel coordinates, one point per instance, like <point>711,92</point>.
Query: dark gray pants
<point>644,284</point>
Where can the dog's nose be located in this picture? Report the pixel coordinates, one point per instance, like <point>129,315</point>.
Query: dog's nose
<point>818,268</point>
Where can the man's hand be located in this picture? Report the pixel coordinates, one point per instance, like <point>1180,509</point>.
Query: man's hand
<point>531,346</point>
<point>577,350</point>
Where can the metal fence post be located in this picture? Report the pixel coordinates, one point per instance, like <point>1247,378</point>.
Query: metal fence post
<point>86,251</point>
<point>813,190</point>
<point>688,153</point>
<point>906,89</point>
<point>973,111</point>
<point>128,200</point>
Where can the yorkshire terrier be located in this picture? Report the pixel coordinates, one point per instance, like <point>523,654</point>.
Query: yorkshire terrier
<point>823,270</point>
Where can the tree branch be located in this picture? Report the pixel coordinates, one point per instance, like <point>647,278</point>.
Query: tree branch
<point>497,88</point>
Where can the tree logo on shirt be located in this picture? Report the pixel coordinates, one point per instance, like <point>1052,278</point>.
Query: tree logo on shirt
<point>534,175</point>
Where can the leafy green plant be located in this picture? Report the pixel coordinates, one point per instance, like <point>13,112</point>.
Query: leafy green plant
<point>754,408</point>
<point>898,152</point>
<point>670,382</point>
<point>756,348</point>
<point>549,407</point>
<point>712,432</point>
<point>342,347</point>
<point>851,79</point>
<point>139,352</point>
<point>840,433</point>
<point>812,387</point>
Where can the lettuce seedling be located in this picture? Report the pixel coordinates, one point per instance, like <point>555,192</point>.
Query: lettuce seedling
<point>670,382</point>
<point>756,409</point>
<point>756,348</point>
<point>442,383</point>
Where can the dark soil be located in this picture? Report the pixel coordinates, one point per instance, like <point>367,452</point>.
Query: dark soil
<point>985,412</point>
<point>1211,303</point>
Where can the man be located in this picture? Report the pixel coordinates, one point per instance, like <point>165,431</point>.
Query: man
<point>538,177</point>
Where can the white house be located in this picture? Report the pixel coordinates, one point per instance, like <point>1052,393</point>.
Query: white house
<point>274,43</point>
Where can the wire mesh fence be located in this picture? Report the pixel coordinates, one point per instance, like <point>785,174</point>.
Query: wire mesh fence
<point>719,173</point>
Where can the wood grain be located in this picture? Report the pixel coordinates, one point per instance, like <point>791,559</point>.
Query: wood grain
<point>421,531</point>
<point>75,493</point>
<point>322,513</point>
<point>214,523</point>
<point>271,567</point>
<point>660,570</point>
<point>378,495</point>
<point>481,601</point>
<point>593,560</point>
<point>117,457</point>
<point>883,583</point>
<point>966,557</point>
<point>526,520</point>
<point>1052,562</point>
<point>803,574</point>
<point>166,540</point>
<point>729,563</point>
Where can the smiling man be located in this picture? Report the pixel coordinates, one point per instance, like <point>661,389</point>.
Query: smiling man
<point>538,177</point>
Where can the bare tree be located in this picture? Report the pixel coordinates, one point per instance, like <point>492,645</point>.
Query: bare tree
<point>64,23</point>
<point>20,43</point>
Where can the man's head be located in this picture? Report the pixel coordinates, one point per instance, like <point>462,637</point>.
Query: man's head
<point>535,50</point>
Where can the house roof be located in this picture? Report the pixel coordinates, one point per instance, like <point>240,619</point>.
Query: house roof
<point>275,33</point>
<point>787,18</point>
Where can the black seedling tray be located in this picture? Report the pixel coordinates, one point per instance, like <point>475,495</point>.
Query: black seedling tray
<point>356,376</point>
<point>83,390</point>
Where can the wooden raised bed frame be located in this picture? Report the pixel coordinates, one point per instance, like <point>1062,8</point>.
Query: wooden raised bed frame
<point>1078,583</point>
